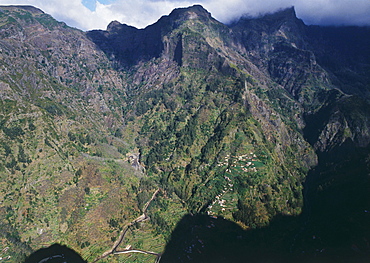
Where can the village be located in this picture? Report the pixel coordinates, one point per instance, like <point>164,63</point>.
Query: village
<point>245,163</point>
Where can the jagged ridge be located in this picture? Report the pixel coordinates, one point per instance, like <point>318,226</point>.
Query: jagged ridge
<point>228,121</point>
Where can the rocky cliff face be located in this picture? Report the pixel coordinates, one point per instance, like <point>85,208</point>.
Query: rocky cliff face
<point>228,120</point>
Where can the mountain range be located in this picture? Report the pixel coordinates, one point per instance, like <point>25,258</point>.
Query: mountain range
<point>197,140</point>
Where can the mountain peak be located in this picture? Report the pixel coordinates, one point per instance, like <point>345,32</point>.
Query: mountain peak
<point>116,26</point>
<point>28,8</point>
<point>283,24</point>
<point>228,121</point>
<point>113,25</point>
<point>196,9</point>
<point>287,14</point>
<point>283,13</point>
<point>190,13</point>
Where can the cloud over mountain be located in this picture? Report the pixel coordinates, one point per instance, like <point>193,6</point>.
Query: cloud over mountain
<point>140,13</point>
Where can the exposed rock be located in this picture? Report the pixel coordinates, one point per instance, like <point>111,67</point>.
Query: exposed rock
<point>243,111</point>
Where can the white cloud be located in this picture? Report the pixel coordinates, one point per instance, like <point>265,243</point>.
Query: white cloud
<point>334,12</point>
<point>324,12</point>
<point>74,13</point>
<point>141,13</point>
<point>236,8</point>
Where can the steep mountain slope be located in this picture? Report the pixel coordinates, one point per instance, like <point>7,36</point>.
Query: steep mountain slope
<point>345,53</point>
<point>227,120</point>
<point>248,122</point>
<point>62,155</point>
<point>202,126</point>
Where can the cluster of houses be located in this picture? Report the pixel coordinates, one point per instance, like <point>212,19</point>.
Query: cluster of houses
<point>219,200</point>
<point>245,162</point>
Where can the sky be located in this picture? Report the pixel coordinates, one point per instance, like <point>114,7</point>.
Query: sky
<point>97,14</point>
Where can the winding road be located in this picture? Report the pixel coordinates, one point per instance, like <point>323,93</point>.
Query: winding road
<point>141,218</point>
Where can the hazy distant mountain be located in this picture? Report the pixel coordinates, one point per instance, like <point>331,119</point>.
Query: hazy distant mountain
<point>255,132</point>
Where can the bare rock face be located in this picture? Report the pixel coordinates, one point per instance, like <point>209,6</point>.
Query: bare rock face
<point>246,121</point>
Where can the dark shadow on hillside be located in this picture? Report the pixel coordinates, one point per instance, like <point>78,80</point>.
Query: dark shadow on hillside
<point>127,45</point>
<point>333,227</point>
<point>55,254</point>
<point>201,238</point>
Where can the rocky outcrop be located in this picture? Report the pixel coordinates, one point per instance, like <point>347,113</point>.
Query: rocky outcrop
<point>227,119</point>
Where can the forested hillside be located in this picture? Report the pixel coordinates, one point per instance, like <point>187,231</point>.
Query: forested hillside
<point>163,139</point>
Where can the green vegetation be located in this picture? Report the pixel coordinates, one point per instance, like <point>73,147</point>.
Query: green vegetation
<point>219,122</point>
<point>186,146</point>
